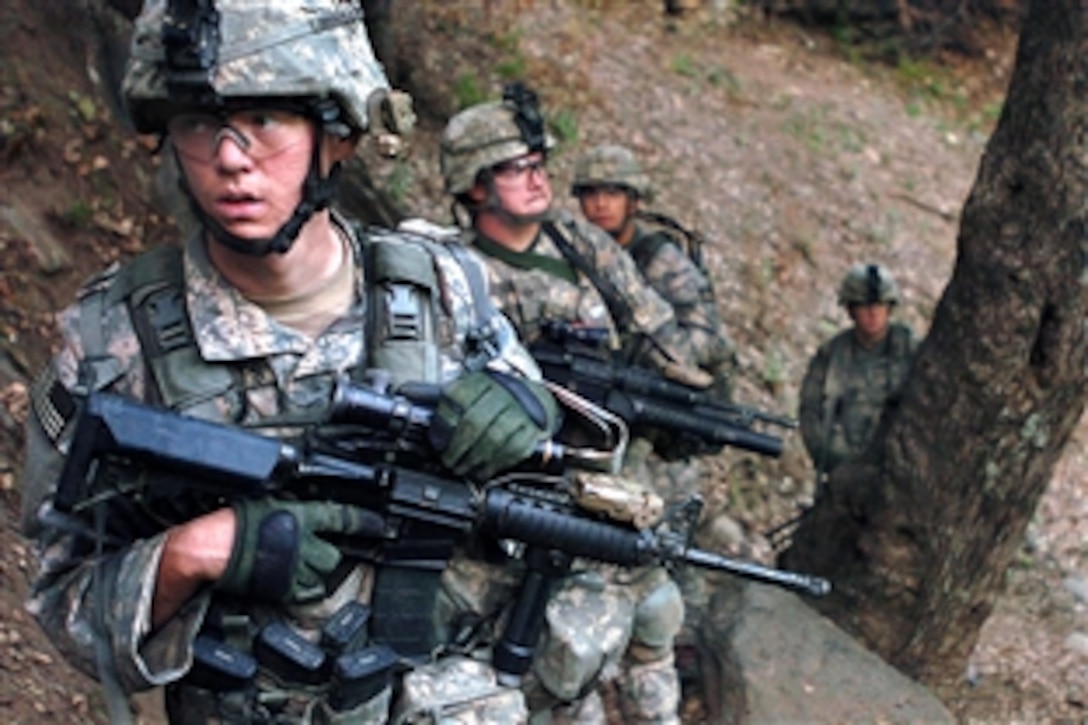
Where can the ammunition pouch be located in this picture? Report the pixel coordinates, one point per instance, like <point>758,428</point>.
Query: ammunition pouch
<point>244,673</point>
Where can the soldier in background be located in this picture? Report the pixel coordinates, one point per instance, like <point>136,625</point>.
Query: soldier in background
<point>855,375</point>
<point>611,186</point>
<point>546,265</point>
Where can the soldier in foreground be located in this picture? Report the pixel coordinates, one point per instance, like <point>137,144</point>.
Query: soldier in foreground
<point>251,323</point>
<point>855,375</point>
<point>545,265</point>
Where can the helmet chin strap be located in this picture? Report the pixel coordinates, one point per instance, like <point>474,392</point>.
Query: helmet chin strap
<point>317,194</point>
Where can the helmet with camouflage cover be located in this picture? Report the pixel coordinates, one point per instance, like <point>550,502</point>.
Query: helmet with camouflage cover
<point>201,53</point>
<point>309,56</point>
<point>867,284</point>
<point>611,165</point>
<point>482,136</point>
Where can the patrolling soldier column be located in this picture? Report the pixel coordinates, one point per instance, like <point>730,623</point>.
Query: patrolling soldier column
<point>236,606</point>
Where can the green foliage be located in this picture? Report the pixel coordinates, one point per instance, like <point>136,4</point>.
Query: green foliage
<point>511,68</point>
<point>724,78</point>
<point>467,91</point>
<point>400,182</point>
<point>84,107</point>
<point>513,64</point>
<point>77,216</point>
<point>807,127</point>
<point>564,125</point>
<point>685,66</point>
<point>774,368</point>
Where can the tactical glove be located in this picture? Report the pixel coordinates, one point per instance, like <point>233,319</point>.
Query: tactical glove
<point>278,552</point>
<point>487,422</point>
<point>682,373</point>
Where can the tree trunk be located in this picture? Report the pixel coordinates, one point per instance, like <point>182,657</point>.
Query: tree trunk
<point>917,537</point>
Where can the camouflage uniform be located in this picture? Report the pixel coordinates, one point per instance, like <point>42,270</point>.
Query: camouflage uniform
<point>283,372</point>
<point>665,266</point>
<point>596,617</point>
<point>847,386</point>
<point>674,274</point>
<point>208,352</point>
<point>604,623</point>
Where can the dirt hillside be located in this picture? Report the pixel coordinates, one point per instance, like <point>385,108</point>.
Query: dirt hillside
<point>794,157</point>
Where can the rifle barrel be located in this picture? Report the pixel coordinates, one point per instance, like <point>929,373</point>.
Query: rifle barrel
<point>649,413</point>
<point>812,585</point>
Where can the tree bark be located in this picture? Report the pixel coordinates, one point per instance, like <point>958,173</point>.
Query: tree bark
<point>917,536</point>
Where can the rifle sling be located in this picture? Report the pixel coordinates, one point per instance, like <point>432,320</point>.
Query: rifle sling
<point>622,314</point>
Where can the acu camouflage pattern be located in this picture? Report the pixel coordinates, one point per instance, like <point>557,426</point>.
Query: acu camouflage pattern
<point>865,284</point>
<point>611,165</point>
<point>613,625</point>
<point>597,627</point>
<point>530,296</point>
<point>458,691</point>
<point>282,49</point>
<point>687,288</point>
<point>264,369</point>
<point>845,391</point>
<point>478,138</point>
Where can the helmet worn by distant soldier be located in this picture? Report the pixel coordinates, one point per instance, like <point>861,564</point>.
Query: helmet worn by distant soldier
<point>201,54</point>
<point>867,284</point>
<point>611,165</point>
<point>480,137</point>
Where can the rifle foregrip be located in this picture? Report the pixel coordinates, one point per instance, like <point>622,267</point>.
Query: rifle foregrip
<point>509,516</point>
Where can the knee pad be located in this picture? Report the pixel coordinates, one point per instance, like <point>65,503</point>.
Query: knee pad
<point>658,617</point>
<point>588,627</point>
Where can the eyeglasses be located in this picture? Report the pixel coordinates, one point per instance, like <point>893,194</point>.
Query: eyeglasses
<point>260,132</point>
<point>512,172</point>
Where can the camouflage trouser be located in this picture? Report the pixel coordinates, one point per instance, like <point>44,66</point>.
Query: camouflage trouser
<point>676,481</point>
<point>458,691</point>
<point>606,624</point>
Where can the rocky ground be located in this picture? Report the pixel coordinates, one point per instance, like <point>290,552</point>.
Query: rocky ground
<point>795,158</point>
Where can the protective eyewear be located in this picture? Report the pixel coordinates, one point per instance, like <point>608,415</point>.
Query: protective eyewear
<point>260,132</point>
<point>512,172</point>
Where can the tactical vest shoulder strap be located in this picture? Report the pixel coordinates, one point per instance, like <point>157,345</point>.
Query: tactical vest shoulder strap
<point>152,286</point>
<point>402,294</point>
<point>645,247</point>
<point>693,240</point>
<point>622,314</point>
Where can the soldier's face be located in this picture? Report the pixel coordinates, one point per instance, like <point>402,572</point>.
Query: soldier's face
<point>522,186</point>
<point>870,321</point>
<point>609,207</point>
<point>235,172</point>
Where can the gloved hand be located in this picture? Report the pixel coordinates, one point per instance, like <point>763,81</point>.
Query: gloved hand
<point>666,363</point>
<point>278,554</point>
<point>487,422</point>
